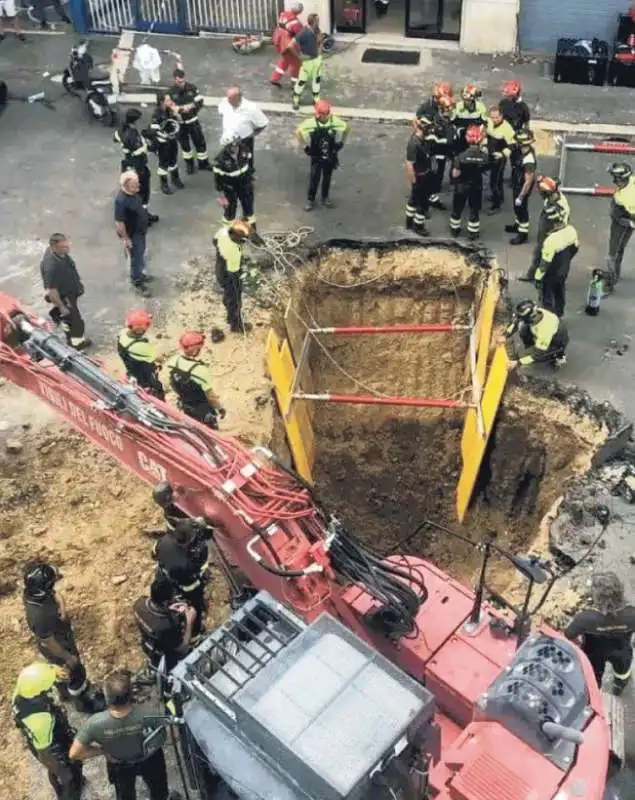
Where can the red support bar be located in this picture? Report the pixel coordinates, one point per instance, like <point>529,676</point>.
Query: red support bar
<point>372,400</point>
<point>616,148</point>
<point>589,191</point>
<point>435,327</point>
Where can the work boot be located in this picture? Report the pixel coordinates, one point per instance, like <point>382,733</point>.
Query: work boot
<point>493,210</point>
<point>176,179</point>
<point>141,288</point>
<point>165,186</point>
<point>152,218</point>
<point>310,205</point>
<point>528,277</point>
<point>619,684</point>
<point>327,203</point>
<point>420,230</point>
<point>511,228</point>
<point>472,236</point>
<point>81,344</point>
<point>438,204</point>
<point>189,166</point>
<point>520,238</point>
<point>409,223</point>
<point>559,362</point>
<point>204,165</point>
<point>456,232</point>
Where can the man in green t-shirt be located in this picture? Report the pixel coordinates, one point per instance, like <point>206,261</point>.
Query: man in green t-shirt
<point>131,736</point>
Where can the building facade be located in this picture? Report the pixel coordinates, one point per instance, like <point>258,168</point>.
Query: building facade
<point>478,26</point>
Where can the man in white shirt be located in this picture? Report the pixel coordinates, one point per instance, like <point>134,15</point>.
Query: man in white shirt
<point>242,118</point>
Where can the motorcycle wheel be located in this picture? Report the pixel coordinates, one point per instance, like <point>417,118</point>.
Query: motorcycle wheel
<point>67,82</point>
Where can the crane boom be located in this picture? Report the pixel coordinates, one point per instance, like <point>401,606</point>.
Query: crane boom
<point>269,526</point>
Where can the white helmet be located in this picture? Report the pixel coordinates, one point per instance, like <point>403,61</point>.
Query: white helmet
<point>296,7</point>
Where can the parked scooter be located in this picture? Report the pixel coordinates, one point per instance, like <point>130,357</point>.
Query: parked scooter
<point>96,92</point>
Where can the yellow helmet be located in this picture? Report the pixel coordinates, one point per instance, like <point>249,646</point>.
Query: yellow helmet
<point>36,678</point>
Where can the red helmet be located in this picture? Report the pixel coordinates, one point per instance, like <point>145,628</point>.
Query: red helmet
<point>547,184</point>
<point>471,92</point>
<point>512,89</point>
<point>474,134</point>
<point>138,318</point>
<point>191,339</point>
<point>322,108</point>
<point>442,89</point>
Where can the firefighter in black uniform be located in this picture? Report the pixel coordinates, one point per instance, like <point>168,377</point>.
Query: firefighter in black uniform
<point>470,110</point>
<point>229,243</point>
<point>523,179</point>
<point>182,558</point>
<point>543,334</point>
<point>49,623</point>
<point>419,174</point>
<point>500,143</point>
<point>165,129</point>
<point>233,178</point>
<point>163,496</point>
<point>513,107</point>
<point>138,353</point>
<point>606,630</point>
<point>188,102</point>
<point>192,381</point>
<point>135,154</point>
<point>165,626</point>
<point>440,139</point>
<point>46,729</point>
<point>431,107</point>
<point>467,172</point>
<point>560,246</point>
<point>549,190</point>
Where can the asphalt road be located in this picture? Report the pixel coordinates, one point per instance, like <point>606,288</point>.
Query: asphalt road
<point>60,173</point>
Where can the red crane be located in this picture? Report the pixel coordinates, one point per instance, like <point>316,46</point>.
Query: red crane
<point>514,722</point>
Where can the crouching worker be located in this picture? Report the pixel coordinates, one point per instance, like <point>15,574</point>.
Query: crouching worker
<point>191,380</point>
<point>46,729</point>
<point>543,334</point>
<point>229,243</point>
<point>139,354</point>
<point>605,630</point>
<point>165,625</point>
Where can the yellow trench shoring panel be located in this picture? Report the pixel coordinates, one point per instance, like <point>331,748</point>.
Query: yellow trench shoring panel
<point>296,420</point>
<point>473,444</point>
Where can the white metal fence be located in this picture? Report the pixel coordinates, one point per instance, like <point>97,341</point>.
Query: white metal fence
<point>233,16</point>
<point>184,16</point>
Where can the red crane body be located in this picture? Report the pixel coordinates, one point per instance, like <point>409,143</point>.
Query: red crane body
<point>239,491</point>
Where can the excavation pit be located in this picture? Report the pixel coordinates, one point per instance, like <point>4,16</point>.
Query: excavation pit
<point>384,469</point>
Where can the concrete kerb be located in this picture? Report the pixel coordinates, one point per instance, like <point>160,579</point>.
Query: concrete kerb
<point>394,117</point>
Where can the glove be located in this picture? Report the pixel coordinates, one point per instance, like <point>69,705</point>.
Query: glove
<point>221,412</point>
<point>307,150</point>
<point>539,275</point>
<point>497,156</point>
<point>518,202</point>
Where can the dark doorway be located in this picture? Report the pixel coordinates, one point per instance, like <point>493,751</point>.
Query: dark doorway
<point>433,19</point>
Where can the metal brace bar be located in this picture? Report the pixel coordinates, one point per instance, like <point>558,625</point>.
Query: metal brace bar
<point>304,352</point>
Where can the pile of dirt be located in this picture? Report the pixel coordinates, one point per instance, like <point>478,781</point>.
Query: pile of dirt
<point>64,500</point>
<point>385,469</point>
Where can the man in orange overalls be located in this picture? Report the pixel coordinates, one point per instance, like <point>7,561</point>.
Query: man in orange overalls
<point>288,26</point>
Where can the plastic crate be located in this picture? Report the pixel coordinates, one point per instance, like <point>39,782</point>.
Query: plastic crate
<point>574,65</point>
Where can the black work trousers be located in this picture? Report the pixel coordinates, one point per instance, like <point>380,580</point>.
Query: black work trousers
<point>419,200</point>
<point>240,191</point>
<point>168,156</point>
<point>436,178</point>
<point>470,194</point>
<point>152,772</point>
<point>248,144</point>
<point>614,650</point>
<point>496,188</point>
<point>143,171</point>
<point>541,235</point>
<point>65,776</point>
<point>233,298</point>
<point>619,237</point>
<point>321,171</point>
<point>553,293</point>
<point>71,323</point>
<point>203,412</point>
<point>146,376</point>
<point>521,212</point>
<point>196,598</point>
<point>192,138</point>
